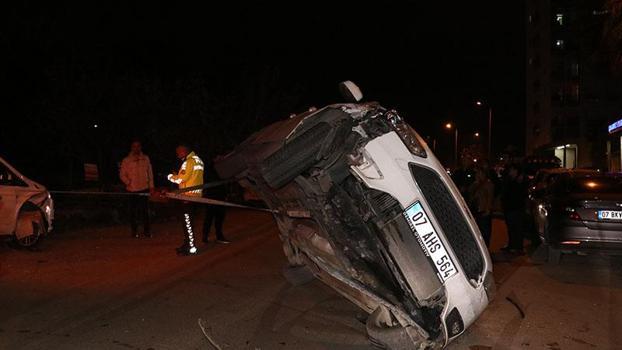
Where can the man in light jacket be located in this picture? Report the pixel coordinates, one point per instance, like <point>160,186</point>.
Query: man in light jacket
<point>137,175</point>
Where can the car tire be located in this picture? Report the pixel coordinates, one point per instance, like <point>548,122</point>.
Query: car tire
<point>294,157</point>
<point>554,255</point>
<point>37,222</point>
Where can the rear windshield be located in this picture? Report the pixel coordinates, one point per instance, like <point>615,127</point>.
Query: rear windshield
<point>593,184</point>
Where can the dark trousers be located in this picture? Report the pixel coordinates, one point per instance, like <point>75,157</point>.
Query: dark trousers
<point>484,222</point>
<point>189,210</point>
<point>216,214</point>
<point>139,212</point>
<point>514,223</point>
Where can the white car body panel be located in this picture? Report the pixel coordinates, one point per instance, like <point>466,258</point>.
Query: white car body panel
<point>388,153</point>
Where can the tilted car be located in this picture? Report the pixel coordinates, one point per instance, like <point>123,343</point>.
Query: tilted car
<point>362,202</point>
<point>581,212</point>
<point>26,207</point>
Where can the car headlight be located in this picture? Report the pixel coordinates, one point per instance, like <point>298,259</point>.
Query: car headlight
<point>406,134</point>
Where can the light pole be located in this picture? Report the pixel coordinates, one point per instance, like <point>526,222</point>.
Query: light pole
<point>479,104</point>
<point>449,126</point>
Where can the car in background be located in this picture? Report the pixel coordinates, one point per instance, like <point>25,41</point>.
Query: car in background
<point>363,204</point>
<point>542,180</point>
<point>26,207</point>
<point>581,212</point>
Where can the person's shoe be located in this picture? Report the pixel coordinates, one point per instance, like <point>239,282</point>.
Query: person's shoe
<point>148,235</point>
<point>135,235</point>
<point>187,251</point>
<point>181,249</point>
<point>223,241</point>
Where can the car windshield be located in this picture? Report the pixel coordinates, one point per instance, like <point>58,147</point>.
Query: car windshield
<point>593,184</point>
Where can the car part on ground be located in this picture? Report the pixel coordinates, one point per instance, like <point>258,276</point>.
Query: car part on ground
<point>361,201</point>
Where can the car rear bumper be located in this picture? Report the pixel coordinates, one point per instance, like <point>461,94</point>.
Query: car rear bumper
<point>584,238</point>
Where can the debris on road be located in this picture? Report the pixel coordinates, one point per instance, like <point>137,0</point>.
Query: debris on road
<point>200,322</point>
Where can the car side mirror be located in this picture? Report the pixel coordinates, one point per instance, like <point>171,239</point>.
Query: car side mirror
<point>350,91</point>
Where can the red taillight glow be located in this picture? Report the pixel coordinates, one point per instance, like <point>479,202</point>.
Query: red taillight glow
<point>571,242</point>
<point>575,216</point>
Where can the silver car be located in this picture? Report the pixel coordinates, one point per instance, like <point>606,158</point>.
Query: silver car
<point>26,207</point>
<point>361,202</point>
<point>581,212</point>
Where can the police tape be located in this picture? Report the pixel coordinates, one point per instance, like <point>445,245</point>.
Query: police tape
<point>177,195</point>
<point>99,193</point>
<point>215,202</point>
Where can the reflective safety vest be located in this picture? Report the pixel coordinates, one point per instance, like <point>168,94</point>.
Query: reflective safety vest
<point>190,174</point>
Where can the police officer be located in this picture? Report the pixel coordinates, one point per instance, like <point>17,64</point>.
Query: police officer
<point>189,175</point>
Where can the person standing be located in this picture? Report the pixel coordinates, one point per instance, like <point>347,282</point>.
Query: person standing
<point>189,175</point>
<point>482,193</point>
<point>513,201</point>
<point>215,213</point>
<point>137,175</point>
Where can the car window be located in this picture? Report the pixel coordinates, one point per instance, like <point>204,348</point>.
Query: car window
<point>8,178</point>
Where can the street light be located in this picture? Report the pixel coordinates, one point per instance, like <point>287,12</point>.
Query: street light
<point>450,126</point>
<point>480,104</point>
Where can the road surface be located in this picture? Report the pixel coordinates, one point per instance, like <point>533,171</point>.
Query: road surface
<point>98,288</point>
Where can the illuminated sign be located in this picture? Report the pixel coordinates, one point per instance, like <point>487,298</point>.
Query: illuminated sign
<point>615,126</point>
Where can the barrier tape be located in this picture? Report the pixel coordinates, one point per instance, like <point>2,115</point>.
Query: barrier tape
<point>177,195</point>
<point>214,202</point>
<point>102,193</point>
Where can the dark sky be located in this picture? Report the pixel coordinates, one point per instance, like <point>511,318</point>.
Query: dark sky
<point>150,70</point>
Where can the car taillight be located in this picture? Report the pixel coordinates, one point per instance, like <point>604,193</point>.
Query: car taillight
<point>575,216</point>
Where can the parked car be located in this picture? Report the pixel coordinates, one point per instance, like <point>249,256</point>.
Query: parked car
<point>581,212</point>
<point>538,189</point>
<point>361,201</point>
<point>26,207</point>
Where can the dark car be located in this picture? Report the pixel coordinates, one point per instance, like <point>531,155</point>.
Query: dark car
<point>581,213</point>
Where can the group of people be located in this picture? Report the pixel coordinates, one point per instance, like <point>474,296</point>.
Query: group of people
<point>136,173</point>
<point>481,185</point>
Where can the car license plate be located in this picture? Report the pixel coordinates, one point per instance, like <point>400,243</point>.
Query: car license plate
<point>430,241</point>
<point>609,215</point>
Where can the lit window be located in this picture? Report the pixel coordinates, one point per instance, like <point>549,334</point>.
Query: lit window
<point>559,18</point>
<point>559,44</point>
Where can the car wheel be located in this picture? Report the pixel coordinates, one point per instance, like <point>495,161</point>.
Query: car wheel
<point>554,255</point>
<point>31,224</point>
<point>295,157</point>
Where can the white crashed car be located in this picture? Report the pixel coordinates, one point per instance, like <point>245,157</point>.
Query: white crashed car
<point>26,207</point>
<point>361,201</point>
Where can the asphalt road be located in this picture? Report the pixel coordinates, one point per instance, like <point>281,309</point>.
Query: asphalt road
<point>100,289</point>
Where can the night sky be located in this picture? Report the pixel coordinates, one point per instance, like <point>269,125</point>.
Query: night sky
<point>211,75</point>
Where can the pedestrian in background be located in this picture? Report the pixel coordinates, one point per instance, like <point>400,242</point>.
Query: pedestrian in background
<point>137,175</point>
<point>482,193</point>
<point>513,201</point>
<point>190,174</point>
